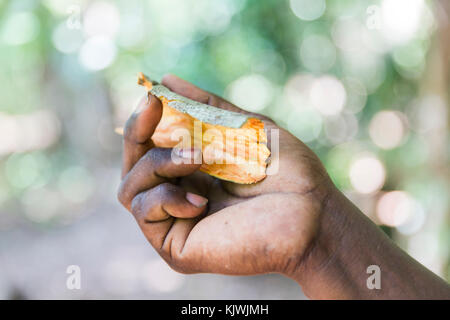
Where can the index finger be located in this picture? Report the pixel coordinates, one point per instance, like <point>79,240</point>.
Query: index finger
<point>193,92</point>
<point>139,130</point>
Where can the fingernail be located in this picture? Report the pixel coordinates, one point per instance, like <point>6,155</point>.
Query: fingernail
<point>196,200</point>
<point>188,153</point>
<point>143,104</point>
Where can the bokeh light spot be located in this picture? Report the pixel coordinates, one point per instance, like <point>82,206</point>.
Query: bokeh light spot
<point>308,10</point>
<point>252,92</point>
<point>401,19</point>
<point>67,40</point>
<point>387,129</point>
<point>101,19</point>
<point>399,209</point>
<point>367,174</point>
<point>328,95</point>
<point>97,53</point>
<point>20,28</point>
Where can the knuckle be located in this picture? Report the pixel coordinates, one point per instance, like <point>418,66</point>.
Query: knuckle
<point>166,191</point>
<point>157,156</point>
<point>167,77</point>
<point>179,265</point>
<point>164,187</point>
<point>130,134</point>
<point>121,195</point>
<point>151,155</point>
<point>136,204</point>
<point>182,266</point>
<point>182,270</point>
<point>128,130</point>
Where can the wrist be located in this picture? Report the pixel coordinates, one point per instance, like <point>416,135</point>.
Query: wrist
<point>346,244</point>
<point>323,261</point>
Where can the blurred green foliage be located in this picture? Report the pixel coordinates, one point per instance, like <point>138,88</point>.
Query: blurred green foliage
<point>67,78</point>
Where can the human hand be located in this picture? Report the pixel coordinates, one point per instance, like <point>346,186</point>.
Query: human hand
<point>198,223</point>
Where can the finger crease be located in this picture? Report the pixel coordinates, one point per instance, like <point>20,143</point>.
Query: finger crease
<point>159,221</point>
<point>204,214</point>
<point>165,239</point>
